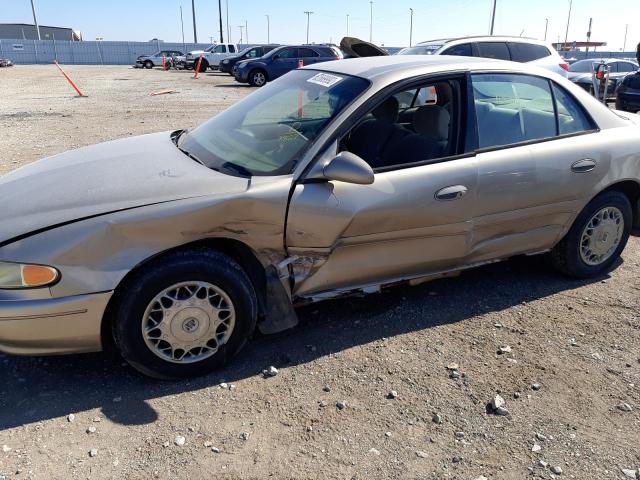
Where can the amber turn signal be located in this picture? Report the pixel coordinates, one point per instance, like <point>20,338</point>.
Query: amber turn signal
<point>37,275</point>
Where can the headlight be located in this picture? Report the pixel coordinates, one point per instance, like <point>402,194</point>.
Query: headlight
<point>19,275</point>
<point>225,61</point>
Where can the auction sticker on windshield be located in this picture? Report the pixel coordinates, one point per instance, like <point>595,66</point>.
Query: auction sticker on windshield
<point>325,79</point>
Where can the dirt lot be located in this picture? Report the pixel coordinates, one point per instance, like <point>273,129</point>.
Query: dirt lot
<point>574,359</point>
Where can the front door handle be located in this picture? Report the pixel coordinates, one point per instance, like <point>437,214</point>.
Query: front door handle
<point>453,192</point>
<point>584,165</point>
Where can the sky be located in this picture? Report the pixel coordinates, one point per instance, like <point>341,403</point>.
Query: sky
<point>142,20</point>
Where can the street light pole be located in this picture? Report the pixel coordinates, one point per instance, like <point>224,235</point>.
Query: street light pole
<point>493,17</point>
<point>546,28</point>
<point>240,27</point>
<point>308,16</point>
<point>268,30</point>
<point>35,19</point>
<point>566,35</point>
<point>246,31</point>
<point>624,45</point>
<point>193,10</point>
<point>227,14</point>
<point>411,28</point>
<point>347,24</point>
<point>371,23</point>
<point>220,18</point>
<point>182,27</point>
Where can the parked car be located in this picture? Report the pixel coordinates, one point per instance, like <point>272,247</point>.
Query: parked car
<point>277,62</point>
<point>517,49</point>
<point>5,62</point>
<point>329,181</point>
<point>211,57</point>
<point>628,93</point>
<point>581,73</point>
<point>155,60</point>
<point>257,51</point>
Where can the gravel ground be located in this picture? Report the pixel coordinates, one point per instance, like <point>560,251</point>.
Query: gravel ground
<point>387,360</point>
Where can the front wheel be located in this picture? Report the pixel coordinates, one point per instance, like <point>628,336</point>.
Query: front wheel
<point>148,64</point>
<point>257,78</point>
<point>597,237</point>
<point>184,315</point>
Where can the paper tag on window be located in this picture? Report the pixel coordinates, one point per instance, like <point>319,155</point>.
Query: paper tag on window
<point>325,79</point>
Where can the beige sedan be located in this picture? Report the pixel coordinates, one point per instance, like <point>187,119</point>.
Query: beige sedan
<point>344,177</point>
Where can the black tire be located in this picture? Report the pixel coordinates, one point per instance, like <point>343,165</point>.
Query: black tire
<point>258,78</point>
<point>182,266</point>
<point>148,64</point>
<point>566,256</point>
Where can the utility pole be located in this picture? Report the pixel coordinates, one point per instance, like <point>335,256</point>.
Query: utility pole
<point>268,30</point>
<point>589,34</point>
<point>308,14</point>
<point>227,13</point>
<point>566,35</point>
<point>371,22</point>
<point>411,28</point>
<point>220,17</point>
<point>246,31</point>
<point>546,28</point>
<point>240,27</point>
<point>347,24</point>
<point>182,27</point>
<point>193,10</point>
<point>35,19</point>
<point>624,45</point>
<point>493,17</point>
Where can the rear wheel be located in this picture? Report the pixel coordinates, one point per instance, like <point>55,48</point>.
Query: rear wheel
<point>257,78</point>
<point>597,237</point>
<point>185,315</point>
<point>148,64</point>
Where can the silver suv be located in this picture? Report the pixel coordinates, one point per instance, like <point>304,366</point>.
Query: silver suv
<point>516,49</point>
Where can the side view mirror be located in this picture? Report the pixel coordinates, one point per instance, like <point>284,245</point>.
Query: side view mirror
<point>349,168</point>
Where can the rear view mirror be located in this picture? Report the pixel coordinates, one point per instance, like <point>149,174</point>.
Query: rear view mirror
<point>349,168</point>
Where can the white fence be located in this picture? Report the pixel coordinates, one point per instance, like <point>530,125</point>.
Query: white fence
<point>88,53</point>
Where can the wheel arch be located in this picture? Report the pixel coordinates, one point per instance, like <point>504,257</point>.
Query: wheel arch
<point>265,284</point>
<point>631,189</point>
<point>260,69</point>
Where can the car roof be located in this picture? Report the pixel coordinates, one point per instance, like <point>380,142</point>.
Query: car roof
<point>605,60</point>
<point>485,38</point>
<point>377,67</point>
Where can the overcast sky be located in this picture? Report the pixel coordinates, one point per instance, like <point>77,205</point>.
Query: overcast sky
<point>143,20</point>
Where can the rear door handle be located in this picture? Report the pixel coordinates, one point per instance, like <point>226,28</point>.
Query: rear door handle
<point>584,165</point>
<point>453,192</point>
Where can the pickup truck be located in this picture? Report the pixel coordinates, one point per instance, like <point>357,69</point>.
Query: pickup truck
<point>212,56</point>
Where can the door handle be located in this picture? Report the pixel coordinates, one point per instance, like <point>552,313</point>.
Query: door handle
<point>453,192</point>
<point>584,165</point>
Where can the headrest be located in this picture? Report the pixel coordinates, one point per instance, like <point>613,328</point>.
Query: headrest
<point>432,122</point>
<point>387,111</point>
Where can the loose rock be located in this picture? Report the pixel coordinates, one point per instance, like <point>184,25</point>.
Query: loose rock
<point>6,448</point>
<point>421,454</point>
<point>341,405</point>
<point>71,417</point>
<point>179,440</point>
<point>629,473</point>
<point>625,407</point>
<point>374,451</point>
<point>91,430</point>
<point>557,470</point>
<point>392,395</point>
<point>498,406</point>
<point>536,448</point>
<point>215,449</point>
<point>504,349</point>
<point>270,372</point>
<point>536,386</point>
<point>244,436</point>
<point>437,419</point>
<point>93,452</point>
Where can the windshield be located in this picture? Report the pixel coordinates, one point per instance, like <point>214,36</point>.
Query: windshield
<point>583,66</point>
<point>268,131</point>
<point>420,49</point>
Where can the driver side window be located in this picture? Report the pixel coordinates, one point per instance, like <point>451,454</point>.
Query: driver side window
<point>412,126</point>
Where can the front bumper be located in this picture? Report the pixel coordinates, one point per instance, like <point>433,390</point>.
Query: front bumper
<point>241,76</point>
<point>226,67</point>
<point>53,325</point>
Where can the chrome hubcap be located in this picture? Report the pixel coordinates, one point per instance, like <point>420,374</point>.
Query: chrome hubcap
<point>601,236</point>
<point>258,78</point>
<point>188,322</point>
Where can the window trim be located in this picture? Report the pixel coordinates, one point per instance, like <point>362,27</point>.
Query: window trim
<point>473,116</point>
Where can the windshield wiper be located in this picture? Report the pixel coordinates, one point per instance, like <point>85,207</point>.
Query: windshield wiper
<point>236,168</point>
<point>191,156</point>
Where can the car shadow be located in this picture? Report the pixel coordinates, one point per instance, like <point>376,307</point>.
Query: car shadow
<point>35,389</point>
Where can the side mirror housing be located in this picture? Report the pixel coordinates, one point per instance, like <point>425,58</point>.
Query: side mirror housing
<point>349,168</point>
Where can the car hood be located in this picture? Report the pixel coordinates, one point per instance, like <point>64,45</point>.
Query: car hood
<point>104,178</point>
<point>196,52</point>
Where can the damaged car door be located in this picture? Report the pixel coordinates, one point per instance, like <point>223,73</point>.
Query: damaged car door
<point>414,220</point>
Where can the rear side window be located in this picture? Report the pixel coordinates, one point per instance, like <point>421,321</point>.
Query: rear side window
<point>463,50</point>
<point>327,52</point>
<point>527,52</point>
<point>497,50</point>
<point>232,49</point>
<point>626,67</point>
<point>571,116</point>
<point>307,53</point>
<point>512,109</point>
